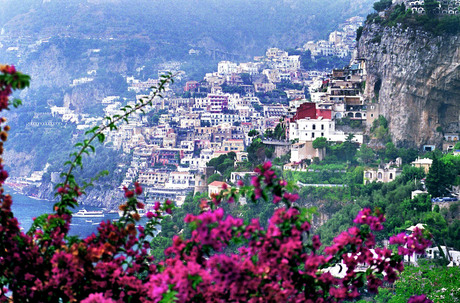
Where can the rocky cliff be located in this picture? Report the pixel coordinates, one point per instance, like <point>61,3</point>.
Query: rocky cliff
<point>107,198</point>
<point>415,76</point>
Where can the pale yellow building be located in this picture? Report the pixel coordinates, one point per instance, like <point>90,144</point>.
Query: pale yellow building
<point>425,163</point>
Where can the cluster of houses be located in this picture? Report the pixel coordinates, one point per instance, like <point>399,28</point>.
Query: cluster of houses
<point>172,143</point>
<point>340,43</point>
<point>171,155</point>
<point>333,98</point>
<point>444,7</point>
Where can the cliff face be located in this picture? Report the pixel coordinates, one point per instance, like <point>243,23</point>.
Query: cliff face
<point>415,76</point>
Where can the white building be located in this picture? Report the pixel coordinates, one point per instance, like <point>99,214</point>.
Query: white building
<point>384,175</point>
<point>225,68</point>
<point>310,129</point>
<point>180,180</point>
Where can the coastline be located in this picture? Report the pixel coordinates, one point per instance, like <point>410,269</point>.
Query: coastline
<point>19,188</point>
<point>45,191</point>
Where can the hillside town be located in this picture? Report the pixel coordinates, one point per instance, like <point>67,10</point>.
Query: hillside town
<point>271,98</point>
<point>172,144</point>
<point>322,170</point>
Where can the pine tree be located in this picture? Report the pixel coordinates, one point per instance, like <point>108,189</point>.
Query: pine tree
<point>439,178</point>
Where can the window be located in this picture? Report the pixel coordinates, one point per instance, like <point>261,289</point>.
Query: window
<point>312,135</point>
<point>314,126</point>
<point>322,126</point>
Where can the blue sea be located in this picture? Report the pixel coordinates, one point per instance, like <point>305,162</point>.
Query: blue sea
<point>26,208</point>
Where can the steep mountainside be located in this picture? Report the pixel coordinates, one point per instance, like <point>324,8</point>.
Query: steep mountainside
<point>243,27</point>
<point>415,76</point>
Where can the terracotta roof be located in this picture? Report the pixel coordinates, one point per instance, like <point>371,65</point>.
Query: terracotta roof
<point>217,183</point>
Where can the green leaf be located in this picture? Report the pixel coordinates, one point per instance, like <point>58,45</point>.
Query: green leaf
<point>195,280</point>
<point>101,137</point>
<point>92,130</point>
<point>16,103</point>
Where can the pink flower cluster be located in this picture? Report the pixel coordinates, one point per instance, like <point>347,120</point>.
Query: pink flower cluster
<point>6,87</point>
<point>416,242</point>
<point>366,216</point>
<point>419,299</point>
<point>113,265</point>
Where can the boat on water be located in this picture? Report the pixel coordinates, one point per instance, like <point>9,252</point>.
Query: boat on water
<point>83,213</point>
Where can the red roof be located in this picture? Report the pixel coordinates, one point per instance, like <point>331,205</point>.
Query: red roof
<point>217,183</point>
<point>309,110</point>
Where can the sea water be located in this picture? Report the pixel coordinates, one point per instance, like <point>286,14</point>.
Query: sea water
<point>26,208</point>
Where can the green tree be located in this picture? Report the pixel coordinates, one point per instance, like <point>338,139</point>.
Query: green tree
<point>320,142</point>
<point>214,177</point>
<point>359,33</point>
<point>391,152</point>
<point>159,244</point>
<point>430,7</point>
<point>279,132</point>
<point>382,5</point>
<point>411,173</point>
<point>256,151</point>
<point>453,234</point>
<point>437,225</point>
<point>438,283</point>
<point>440,178</point>
<point>224,165</point>
<point>365,154</point>
<point>253,133</point>
<point>257,107</point>
<point>408,155</point>
<point>349,148</point>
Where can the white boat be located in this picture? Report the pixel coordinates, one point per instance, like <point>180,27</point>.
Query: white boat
<point>83,213</point>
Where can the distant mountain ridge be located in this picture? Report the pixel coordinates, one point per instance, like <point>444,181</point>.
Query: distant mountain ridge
<point>243,27</point>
